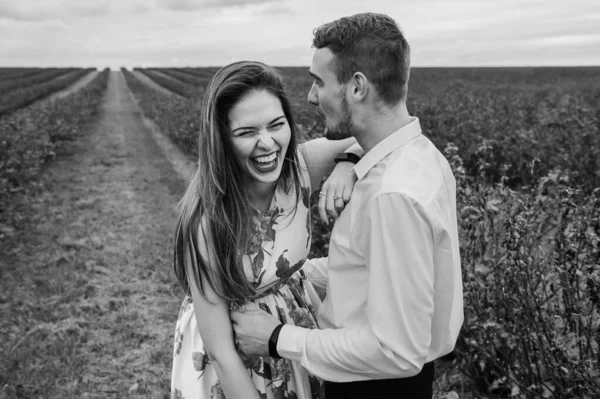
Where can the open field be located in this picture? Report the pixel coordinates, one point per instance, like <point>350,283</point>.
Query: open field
<point>88,299</point>
<point>19,89</point>
<point>525,147</point>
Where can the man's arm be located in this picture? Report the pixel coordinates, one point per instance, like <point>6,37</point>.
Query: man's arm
<point>398,249</point>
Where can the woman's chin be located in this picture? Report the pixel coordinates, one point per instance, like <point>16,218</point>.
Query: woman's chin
<point>265,175</point>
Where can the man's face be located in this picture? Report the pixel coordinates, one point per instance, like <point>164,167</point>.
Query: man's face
<point>330,96</point>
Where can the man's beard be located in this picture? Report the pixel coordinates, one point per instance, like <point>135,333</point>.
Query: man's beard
<point>343,129</point>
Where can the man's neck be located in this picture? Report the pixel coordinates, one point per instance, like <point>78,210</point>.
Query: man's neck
<point>377,126</point>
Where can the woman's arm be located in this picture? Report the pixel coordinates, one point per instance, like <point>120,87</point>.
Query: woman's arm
<point>319,155</point>
<point>214,324</point>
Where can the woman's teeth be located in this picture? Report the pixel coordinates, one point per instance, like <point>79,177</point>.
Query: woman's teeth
<point>265,163</point>
<point>266,158</point>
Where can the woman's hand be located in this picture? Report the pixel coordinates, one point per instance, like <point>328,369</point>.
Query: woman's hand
<point>336,191</point>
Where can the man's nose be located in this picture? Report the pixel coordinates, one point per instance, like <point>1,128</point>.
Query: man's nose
<point>312,96</point>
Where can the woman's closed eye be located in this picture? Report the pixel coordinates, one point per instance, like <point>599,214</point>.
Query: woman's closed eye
<point>276,126</point>
<point>245,133</point>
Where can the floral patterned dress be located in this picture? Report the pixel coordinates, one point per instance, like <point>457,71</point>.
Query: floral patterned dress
<point>274,265</point>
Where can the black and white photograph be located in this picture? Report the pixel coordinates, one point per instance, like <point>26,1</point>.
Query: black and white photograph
<point>299,199</point>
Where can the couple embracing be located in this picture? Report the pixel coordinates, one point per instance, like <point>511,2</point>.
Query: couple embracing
<point>252,324</point>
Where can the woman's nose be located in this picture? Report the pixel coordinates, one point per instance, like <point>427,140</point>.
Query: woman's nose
<point>265,140</point>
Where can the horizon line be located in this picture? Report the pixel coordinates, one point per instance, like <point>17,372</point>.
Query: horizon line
<point>303,66</point>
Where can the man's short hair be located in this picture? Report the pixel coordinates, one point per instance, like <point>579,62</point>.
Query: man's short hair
<point>372,44</point>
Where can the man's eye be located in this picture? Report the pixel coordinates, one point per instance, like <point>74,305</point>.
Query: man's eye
<point>277,125</point>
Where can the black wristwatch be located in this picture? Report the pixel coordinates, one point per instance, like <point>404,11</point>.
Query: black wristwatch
<point>273,342</point>
<point>347,157</point>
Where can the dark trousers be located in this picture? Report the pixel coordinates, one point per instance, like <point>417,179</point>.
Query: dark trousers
<point>419,386</point>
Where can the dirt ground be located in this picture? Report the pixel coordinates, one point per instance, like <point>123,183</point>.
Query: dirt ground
<point>88,298</point>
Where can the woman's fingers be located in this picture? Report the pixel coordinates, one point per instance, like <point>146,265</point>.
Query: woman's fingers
<point>338,202</point>
<point>321,206</point>
<point>330,205</point>
<point>333,200</point>
<point>347,193</point>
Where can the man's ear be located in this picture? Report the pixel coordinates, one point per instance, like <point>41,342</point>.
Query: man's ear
<point>359,86</point>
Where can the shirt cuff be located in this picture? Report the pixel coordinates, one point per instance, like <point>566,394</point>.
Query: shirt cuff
<point>290,344</point>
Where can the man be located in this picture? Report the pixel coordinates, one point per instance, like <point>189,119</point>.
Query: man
<point>393,276</point>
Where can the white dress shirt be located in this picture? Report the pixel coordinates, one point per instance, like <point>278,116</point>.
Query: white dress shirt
<point>393,276</point>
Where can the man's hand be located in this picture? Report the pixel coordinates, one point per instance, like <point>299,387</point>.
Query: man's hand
<point>253,329</point>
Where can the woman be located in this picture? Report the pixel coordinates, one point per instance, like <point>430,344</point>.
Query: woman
<point>243,235</point>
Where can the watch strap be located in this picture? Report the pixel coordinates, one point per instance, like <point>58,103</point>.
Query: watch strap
<point>347,157</point>
<point>273,342</point>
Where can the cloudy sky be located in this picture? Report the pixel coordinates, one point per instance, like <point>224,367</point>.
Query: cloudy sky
<point>130,33</point>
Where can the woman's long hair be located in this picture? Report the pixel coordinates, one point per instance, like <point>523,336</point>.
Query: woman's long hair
<point>216,199</point>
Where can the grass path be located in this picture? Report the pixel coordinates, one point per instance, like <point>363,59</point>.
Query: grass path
<point>88,300</point>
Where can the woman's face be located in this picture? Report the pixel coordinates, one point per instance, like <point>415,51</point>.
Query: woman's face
<point>260,135</point>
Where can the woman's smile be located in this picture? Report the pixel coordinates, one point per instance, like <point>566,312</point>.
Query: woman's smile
<point>260,137</point>
<point>265,163</point>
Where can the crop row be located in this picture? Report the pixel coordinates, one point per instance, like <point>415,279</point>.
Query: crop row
<point>191,82</point>
<point>175,85</point>
<point>18,73</point>
<point>523,122</point>
<point>531,281</point>
<point>533,120</point>
<point>182,76</point>
<point>199,72</point>
<point>177,117</point>
<point>530,258</point>
<point>22,97</point>
<point>31,136</point>
<point>31,80</point>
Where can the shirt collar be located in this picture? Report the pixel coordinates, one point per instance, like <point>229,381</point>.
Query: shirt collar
<point>387,145</point>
